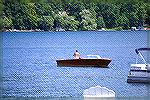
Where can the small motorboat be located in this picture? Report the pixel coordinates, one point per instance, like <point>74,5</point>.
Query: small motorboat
<point>90,61</point>
<point>139,73</point>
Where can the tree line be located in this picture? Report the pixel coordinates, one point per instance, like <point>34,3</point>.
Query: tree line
<point>73,15</point>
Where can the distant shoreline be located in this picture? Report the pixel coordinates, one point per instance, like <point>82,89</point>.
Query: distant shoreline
<point>15,30</point>
<point>38,30</point>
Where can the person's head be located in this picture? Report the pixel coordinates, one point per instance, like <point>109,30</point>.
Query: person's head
<point>76,50</point>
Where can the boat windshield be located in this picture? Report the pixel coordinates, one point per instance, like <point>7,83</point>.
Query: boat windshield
<point>93,57</point>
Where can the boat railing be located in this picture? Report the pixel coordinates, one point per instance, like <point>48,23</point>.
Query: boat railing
<point>140,54</point>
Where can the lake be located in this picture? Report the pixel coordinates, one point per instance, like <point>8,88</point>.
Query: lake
<point>30,70</point>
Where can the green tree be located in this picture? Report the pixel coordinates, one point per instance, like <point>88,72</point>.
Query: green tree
<point>49,22</point>
<point>72,24</point>
<point>147,18</point>
<point>123,22</point>
<point>1,10</point>
<point>133,19</point>
<point>110,13</point>
<point>15,11</point>
<point>25,1</point>
<point>100,23</point>
<point>88,22</point>
<point>1,23</point>
<point>46,23</point>
<point>27,14</point>
<point>74,9</point>
<point>62,20</point>
<point>7,23</point>
<point>141,13</point>
<point>32,15</point>
<point>43,9</point>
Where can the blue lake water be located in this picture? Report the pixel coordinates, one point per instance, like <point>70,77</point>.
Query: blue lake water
<point>30,70</point>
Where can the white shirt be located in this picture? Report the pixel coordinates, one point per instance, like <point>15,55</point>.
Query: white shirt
<point>76,55</point>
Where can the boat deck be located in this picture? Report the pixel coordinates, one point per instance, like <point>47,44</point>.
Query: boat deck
<point>139,74</point>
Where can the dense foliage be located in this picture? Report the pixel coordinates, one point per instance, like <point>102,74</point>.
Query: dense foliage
<point>72,15</point>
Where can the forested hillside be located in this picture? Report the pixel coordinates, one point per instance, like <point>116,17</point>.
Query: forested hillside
<point>73,15</point>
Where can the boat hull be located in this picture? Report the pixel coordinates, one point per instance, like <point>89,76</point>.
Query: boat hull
<point>134,79</point>
<point>139,73</point>
<point>84,62</point>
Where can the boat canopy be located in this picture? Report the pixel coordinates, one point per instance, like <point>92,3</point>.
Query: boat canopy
<point>141,49</point>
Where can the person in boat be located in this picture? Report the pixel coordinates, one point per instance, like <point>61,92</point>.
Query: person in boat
<point>76,55</point>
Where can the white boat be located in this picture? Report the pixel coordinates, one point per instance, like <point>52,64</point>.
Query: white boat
<point>139,73</point>
<point>98,93</point>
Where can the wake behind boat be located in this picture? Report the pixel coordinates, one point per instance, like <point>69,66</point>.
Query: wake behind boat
<point>90,61</point>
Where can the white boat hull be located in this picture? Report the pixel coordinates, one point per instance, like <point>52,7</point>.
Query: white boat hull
<point>139,73</point>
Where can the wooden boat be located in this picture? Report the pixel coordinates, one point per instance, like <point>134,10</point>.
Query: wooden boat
<point>139,73</point>
<point>89,62</point>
